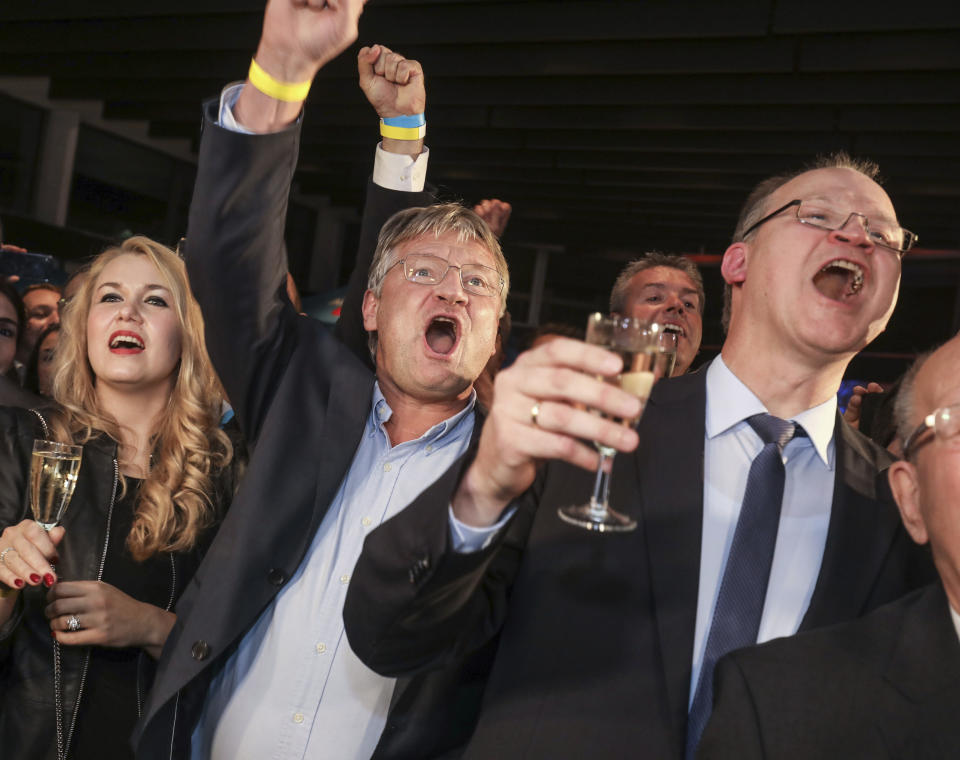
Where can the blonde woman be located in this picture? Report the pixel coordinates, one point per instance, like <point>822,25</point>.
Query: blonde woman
<point>86,608</point>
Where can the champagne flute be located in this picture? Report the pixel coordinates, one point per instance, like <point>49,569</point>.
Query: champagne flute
<point>667,358</point>
<point>638,344</point>
<point>53,476</point>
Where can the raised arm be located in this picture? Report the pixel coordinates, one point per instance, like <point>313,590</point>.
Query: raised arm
<point>394,86</point>
<point>234,250</point>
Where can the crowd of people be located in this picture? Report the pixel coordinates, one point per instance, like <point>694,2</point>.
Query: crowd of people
<point>292,542</point>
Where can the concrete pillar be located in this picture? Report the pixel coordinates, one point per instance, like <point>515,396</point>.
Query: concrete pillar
<point>58,150</point>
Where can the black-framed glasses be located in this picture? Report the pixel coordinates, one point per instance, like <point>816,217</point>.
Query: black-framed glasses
<point>424,269</point>
<point>823,216</point>
<point>945,423</point>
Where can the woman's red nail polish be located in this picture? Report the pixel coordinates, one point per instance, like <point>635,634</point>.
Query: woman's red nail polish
<point>48,579</point>
<point>18,582</point>
<point>34,578</point>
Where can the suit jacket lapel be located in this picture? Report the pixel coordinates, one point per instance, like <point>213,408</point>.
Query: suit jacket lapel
<point>669,465</point>
<point>863,525</point>
<point>347,410</point>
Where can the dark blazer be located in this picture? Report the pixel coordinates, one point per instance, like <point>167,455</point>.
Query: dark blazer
<point>300,394</point>
<point>597,630</point>
<point>884,686</point>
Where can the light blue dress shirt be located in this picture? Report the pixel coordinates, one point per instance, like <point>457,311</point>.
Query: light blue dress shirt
<point>294,688</point>
<point>729,449</point>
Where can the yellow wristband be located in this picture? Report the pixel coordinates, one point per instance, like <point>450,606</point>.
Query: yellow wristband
<point>402,133</point>
<point>290,92</point>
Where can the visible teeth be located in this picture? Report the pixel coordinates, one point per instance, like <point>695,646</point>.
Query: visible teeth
<point>444,319</point>
<point>850,266</point>
<point>673,328</point>
<point>126,340</point>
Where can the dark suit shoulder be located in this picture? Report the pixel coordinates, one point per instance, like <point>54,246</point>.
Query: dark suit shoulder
<point>868,639</point>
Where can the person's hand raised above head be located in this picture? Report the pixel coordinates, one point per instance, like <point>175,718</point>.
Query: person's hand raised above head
<point>496,213</point>
<point>855,404</point>
<point>394,85</point>
<point>300,36</point>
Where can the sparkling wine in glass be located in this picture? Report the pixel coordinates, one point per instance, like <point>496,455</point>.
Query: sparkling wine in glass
<point>638,344</point>
<point>667,358</point>
<point>53,476</point>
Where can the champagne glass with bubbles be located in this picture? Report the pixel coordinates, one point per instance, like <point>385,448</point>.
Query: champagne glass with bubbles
<point>647,356</point>
<point>53,476</point>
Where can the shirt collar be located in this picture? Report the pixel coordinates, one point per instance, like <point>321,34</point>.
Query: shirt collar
<point>380,412</point>
<point>733,402</point>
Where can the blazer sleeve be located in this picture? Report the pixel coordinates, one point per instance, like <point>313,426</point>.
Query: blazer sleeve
<point>733,730</point>
<point>379,206</point>
<point>237,264</point>
<point>414,603</point>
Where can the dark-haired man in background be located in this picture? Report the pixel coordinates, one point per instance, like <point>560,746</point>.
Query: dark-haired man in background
<point>668,288</point>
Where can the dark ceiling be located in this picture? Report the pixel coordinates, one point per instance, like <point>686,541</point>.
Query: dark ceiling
<point>612,127</point>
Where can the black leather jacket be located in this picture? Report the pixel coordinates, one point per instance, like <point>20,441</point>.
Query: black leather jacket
<point>27,703</point>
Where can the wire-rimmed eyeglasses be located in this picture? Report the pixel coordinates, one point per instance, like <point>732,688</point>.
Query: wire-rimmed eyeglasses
<point>424,269</point>
<point>945,423</point>
<point>822,216</point>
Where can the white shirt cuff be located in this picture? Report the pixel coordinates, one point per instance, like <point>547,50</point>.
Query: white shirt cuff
<point>228,98</point>
<point>398,171</point>
<point>468,539</point>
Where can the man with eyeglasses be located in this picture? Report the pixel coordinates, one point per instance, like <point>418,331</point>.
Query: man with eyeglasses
<point>887,685</point>
<point>257,664</point>
<point>760,513</point>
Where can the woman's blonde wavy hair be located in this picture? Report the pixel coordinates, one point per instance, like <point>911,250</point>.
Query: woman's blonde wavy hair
<point>176,501</point>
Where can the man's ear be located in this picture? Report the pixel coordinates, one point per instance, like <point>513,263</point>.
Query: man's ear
<point>370,304</point>
<point>733,267</point>
<point>906,491</point>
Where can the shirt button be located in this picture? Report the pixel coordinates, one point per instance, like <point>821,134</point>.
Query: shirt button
<point>344,578</point>
<point>365,522</point>
<point>298,717</point>
<point>387,467</point>
<point>321,648</point>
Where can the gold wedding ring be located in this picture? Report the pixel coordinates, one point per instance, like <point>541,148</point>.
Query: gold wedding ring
<point>535,414</point>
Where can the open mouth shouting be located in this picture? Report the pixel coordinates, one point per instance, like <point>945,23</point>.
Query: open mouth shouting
<point>675,328</point>
<point>126,342</point>
<point>442,334</point>
<point>839,279</point>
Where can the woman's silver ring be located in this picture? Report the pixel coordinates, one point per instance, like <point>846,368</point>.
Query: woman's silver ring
<point>535,414</point>
<point>3,555</point>
<point>73,623</point>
